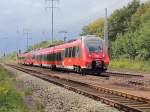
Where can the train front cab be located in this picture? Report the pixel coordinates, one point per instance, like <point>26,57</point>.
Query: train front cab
<point>95,56</point>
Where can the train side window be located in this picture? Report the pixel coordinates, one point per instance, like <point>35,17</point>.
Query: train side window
<point>38,57</point>
<point>50,57</point>
<point>35,57</point>
<point>62,55</point>
<point>70,52</point>
<point>78,52</point>
<point>57,56</point>
<point>44,58</point>
<point>73,51</point>
<point>66,52</point>
<point>54,56</point>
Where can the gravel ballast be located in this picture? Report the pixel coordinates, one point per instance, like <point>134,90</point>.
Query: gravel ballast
<point>58,99</point>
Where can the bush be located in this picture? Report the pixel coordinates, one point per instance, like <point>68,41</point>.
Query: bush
<point>130,65</point>
<point>10,98</point>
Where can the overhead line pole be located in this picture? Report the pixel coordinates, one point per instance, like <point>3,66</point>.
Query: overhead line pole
<point>52,7</point>
<point>65,34</point>
<point>26,32</point>
<point>52,20</point>
<point>106,29</point>
<point>5,51</point>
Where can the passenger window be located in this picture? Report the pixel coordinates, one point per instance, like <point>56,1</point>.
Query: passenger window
<point>52,57</point>
<point>73,51</point>
<point>62,55</point>
<point>70,52</point>
<point>48,57</point>
<point>78,52</point>
<point>55,57</point>
<point>59,56</point>
<point>45,57</point>
<point>67,52</point>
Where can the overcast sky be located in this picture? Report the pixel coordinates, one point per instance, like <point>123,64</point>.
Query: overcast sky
<point>71,16</point>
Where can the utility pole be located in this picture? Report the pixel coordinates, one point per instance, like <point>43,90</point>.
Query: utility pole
<point>5,45</point>
<point>17,32</point>
<point>27,33</point>
<point>106,29</point>
<point>65,34</point>
<point>52,7</point>
<point>44,35</point>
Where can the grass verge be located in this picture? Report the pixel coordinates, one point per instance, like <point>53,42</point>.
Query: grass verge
<point>130,65</point>
<point>10,99</point>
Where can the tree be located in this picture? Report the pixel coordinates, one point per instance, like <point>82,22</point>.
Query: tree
<point>118,21</point>
<point>94,28</point>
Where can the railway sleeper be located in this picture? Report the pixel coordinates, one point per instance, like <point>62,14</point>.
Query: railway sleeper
<point>119,99</point>
<point>112,102</point>
<point>145,110</point>
<point>145,107</point>
<point>109,95</point>
<point>141,105</point>
<point>131,102</point>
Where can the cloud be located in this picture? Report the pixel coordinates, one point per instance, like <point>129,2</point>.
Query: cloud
<point>71,15</point>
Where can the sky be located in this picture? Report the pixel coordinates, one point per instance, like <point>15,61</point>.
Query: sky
<point>20,16</point>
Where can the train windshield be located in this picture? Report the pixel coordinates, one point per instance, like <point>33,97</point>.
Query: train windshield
<point>94,45</point>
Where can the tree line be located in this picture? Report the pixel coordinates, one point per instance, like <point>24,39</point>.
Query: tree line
<point>129,31</point>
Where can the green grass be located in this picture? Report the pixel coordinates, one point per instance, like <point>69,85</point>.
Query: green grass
<point>130,65</point>
<point>10,98</point>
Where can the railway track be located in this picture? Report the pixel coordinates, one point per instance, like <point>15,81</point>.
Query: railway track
<point>122,101</point>
<point>122,74</point>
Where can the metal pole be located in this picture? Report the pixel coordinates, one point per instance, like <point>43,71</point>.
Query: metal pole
<point>27,41</point>
<point>52,20</point>
<point>65,34</point>
<point>52,7</point>
<point>106,29</point>
<point>26,32</point>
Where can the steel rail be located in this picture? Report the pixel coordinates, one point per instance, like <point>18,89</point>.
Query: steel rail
<point>122,74</point>
<point>119,100</point>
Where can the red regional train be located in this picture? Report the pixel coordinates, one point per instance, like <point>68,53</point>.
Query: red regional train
<point>86,54</point>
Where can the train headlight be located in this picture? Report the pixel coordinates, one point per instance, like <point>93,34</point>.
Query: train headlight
<point>103,55</point>
<point>90,55</point>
